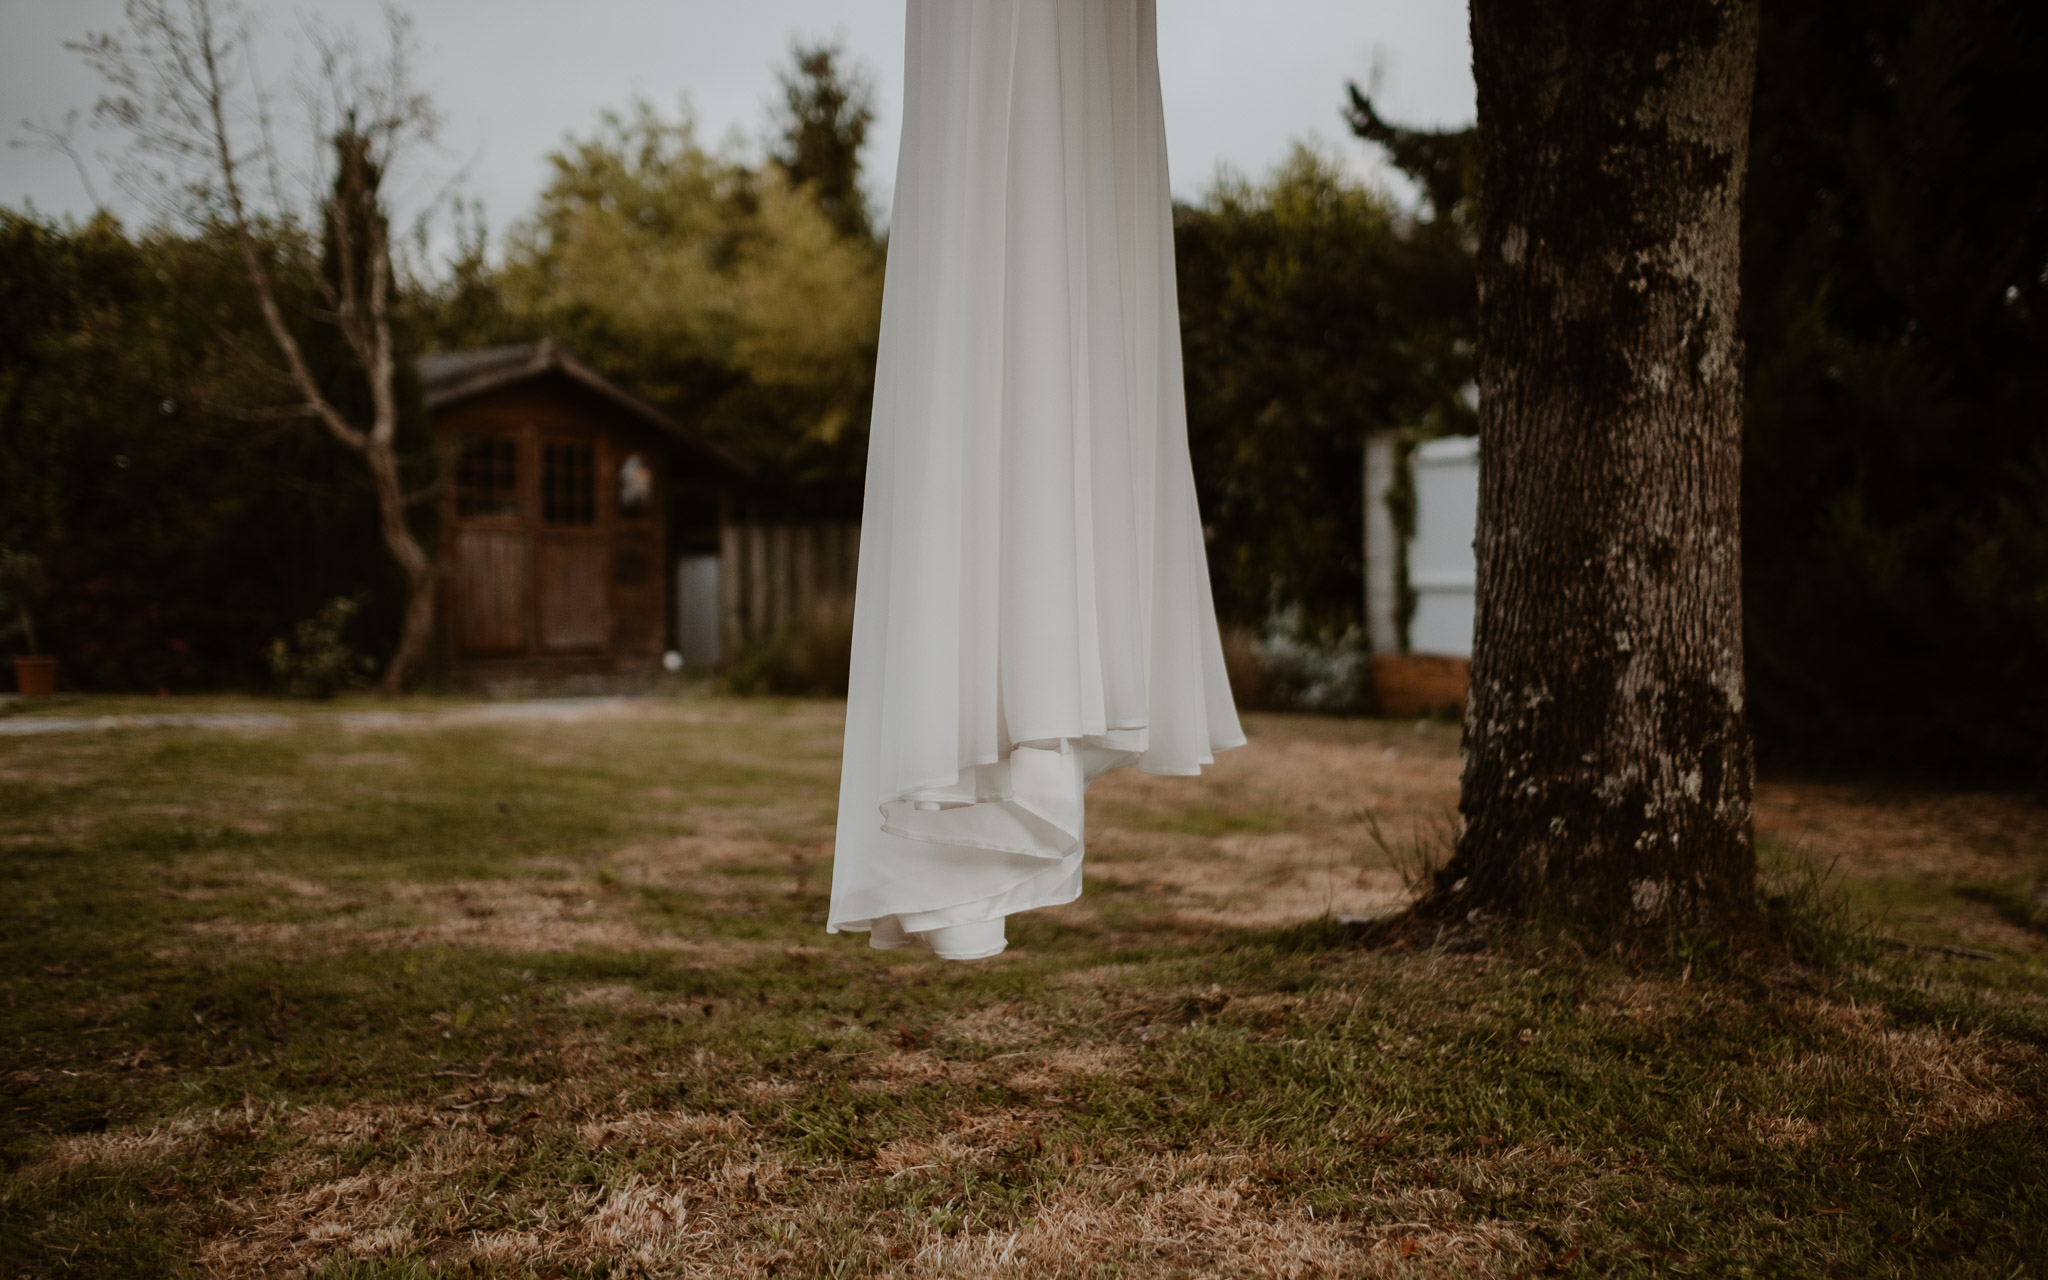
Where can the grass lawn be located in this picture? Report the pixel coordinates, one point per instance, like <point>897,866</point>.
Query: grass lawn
<point>466,992</point>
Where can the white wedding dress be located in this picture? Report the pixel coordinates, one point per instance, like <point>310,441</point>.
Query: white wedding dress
<point>1033,604</point>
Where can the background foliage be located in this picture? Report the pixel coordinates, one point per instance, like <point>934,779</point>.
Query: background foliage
<point>1895,254</point>
<point>187,518</point>
<point>1896,485</point>
<point>745,295</point>
<point>1313,311</point>
<point>182,524</point>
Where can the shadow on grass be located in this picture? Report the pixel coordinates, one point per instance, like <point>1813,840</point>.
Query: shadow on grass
<point>197,1081</point>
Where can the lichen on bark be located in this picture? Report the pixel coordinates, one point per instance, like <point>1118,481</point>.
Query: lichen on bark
<point>1608,765</point>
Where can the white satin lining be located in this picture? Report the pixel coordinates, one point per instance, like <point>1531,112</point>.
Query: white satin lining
<point>974,941</point>
<point>1031,803</point>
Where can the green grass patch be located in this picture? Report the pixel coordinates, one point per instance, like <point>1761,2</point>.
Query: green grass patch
<point>502,999</point>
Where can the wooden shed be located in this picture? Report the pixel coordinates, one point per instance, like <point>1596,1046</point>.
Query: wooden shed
<point>570,499</point>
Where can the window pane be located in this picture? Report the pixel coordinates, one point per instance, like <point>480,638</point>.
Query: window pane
<point>568,484</point>
<point>487,476</point>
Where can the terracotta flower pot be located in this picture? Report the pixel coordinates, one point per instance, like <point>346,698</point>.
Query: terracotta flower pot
<point>35,675</point>
<point>1420,684</point>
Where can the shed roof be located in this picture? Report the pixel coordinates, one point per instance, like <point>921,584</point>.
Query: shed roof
<point>451,377</point>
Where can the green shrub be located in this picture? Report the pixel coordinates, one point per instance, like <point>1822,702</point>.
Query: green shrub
<point>1895,489</point>
<point>810,660</point>
<point>21,580</point>
<point>319,663</point>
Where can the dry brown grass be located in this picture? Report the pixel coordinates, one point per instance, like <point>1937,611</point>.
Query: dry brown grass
<point>1286,828</point>
<point>1331,787</point>
<point>1873,832</point>
<point>677,1074</point>
<point>511,916</point>
<point>1192,1215</point>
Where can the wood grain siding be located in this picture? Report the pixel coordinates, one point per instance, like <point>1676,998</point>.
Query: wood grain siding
<point>558,561</point>
<point>639,595</point>
<point>490,591</point>
<point>574,612</point>
<point>777,578</point>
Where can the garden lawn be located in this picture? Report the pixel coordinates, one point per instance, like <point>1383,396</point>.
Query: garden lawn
<point>489,991</point>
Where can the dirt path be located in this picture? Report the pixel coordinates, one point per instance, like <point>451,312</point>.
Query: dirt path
<point>26,724</point>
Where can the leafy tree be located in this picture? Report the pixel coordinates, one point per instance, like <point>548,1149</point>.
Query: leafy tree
<point>1312,312</point>
<point>826,113</point>
<point>1896,305</point>
<point>465,305</point>
<point>1444,163</point>
<point>743,295</point>
<point>183,522</point>
<point>712,286</point>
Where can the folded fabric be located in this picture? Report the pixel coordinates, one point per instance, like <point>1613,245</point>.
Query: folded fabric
<point>1033,604</point>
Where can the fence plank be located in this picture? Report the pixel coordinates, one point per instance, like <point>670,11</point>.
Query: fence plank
<point>758,598</point>
<point>775,578</point>
<point>730,635</point>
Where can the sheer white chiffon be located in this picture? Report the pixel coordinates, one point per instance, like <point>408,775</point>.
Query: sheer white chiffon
<point>1033,604</point>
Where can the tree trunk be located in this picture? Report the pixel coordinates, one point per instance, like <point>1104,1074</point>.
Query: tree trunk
<point>416,633</point>
<point>193,57</point>
<point>1608,768</point>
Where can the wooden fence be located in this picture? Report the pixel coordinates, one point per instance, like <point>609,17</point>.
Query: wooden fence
<point>774,578</point>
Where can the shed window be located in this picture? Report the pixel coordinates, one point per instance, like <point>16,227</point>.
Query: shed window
<point>568,484</point>
<point>487,476</point>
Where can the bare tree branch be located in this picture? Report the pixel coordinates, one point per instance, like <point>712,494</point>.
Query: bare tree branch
<point>184,85</point>
<point>44,137</point>
<point>267,132</point>
<point>427,493</point>
<point>214,93</point>
<point>240,413</point>
<point>256,362</point>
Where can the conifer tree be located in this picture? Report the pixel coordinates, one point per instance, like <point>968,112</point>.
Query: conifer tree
<point>827,111</point>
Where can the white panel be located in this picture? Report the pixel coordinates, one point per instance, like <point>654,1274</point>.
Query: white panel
<point>1441,565</point>
<point>1442,623</point>
<point>697,610</point>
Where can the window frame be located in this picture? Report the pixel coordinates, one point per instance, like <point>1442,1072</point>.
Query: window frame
<point>511,511</point>
<point>547,511</point>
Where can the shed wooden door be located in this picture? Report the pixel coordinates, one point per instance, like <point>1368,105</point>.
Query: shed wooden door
<point>572,595</point>
<point>569,553</point>
<point>490,591</point>
<point>639,627</point>
<point>490,586</point>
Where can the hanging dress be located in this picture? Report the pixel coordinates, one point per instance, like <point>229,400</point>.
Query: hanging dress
<point>1033,604</point>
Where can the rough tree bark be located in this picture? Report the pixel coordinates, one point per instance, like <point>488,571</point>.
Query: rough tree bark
<point>1608,767</point>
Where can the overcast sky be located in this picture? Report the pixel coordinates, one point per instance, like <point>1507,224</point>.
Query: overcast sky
<point>1243,78</point>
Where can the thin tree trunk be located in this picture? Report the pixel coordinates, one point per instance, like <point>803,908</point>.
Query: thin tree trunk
<point>366,326</point>
<point>416,633</point>
<point>176,90</point>
<point>1608,768</point>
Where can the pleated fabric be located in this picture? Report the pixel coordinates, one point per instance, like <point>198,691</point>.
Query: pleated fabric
<point>1033,604</point>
